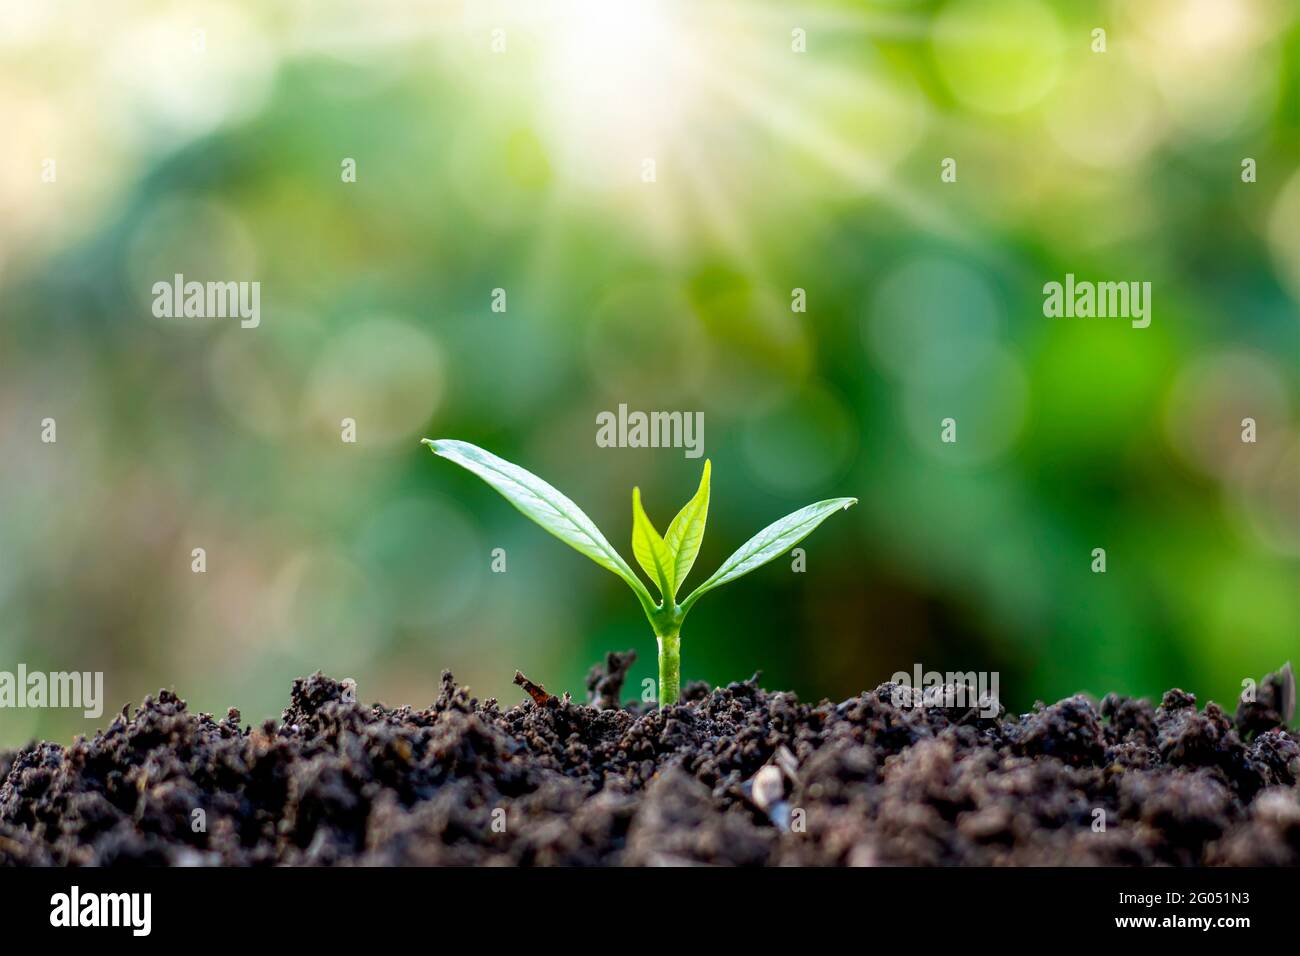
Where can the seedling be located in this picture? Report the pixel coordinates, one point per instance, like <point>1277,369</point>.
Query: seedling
<point>666,559</point>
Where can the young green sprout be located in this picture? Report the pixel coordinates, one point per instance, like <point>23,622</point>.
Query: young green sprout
<point>666,559</point>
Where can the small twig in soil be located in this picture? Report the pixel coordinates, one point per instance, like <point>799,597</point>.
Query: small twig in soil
<point>536,691</point>
<point>605,682</point>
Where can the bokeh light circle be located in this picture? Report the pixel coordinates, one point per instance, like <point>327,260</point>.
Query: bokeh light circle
<point>932,320</point>
<point>1001,57</point>
<point>1208,402</point>
<point>1284,235</point>
<point>989,406</point>
<point>385,374</point>
<point>802,444</point>
<point>427,559</point>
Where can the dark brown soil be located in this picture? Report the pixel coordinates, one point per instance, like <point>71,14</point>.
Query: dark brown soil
<point>735,775</point>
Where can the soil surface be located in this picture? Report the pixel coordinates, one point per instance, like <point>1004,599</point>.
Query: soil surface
<point>732,775</point>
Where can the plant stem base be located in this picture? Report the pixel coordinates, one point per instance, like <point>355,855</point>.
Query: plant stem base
<point>670,668</point>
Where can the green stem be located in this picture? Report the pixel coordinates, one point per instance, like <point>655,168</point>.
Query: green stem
<point>670,668</point>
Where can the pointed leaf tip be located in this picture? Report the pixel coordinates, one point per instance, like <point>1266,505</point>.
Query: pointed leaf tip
<point>542,504</point>
<point>772,541</point>
<point>650,551</point>
<point>686,531</point>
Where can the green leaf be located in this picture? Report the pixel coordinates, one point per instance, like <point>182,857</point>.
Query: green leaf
<point>687,530</point>
<point>542,504</point>
<point>650,550</point>
<point>770,543</point>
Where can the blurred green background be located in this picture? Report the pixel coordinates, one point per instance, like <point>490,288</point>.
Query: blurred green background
<point>501,145</point>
